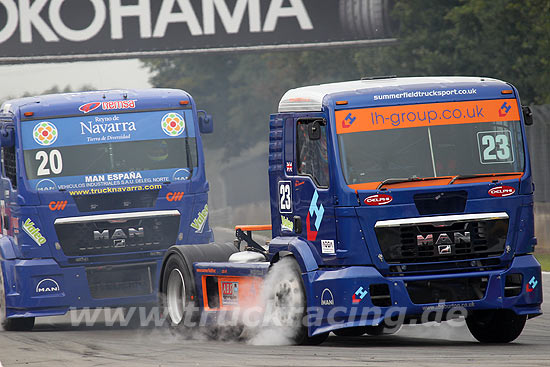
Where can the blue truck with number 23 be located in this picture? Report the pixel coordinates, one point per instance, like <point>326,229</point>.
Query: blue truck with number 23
<point>407,194</point>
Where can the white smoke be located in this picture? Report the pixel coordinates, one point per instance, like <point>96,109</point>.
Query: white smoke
<point>283,304</point>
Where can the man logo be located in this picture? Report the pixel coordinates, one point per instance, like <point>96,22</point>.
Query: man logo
<point>443,239</point>
<point>47,286</point>
<point>327,299</point>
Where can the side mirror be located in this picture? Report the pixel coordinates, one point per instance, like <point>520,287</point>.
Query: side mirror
<point>527,115</point>
<point>314,130</point>
<point>206,123</point>
<point>7,136</point>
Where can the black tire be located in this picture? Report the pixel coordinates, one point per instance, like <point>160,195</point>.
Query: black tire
<point>495,326</point>
<point>288,302</point>
<point>366,19</point>
<point>178,294</point>
<point>14,324</point>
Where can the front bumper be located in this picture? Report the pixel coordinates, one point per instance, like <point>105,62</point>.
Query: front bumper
<point>40,287</point>
<point>342,298</point>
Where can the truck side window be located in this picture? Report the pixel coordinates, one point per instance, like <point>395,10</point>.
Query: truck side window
<point>8,164</point>
<point>311,155</point>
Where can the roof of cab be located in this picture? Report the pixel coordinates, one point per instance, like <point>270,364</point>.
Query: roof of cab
<point>310,99</point>
<point>69,103</point>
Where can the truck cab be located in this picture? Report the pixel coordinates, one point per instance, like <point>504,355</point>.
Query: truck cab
<point>417,192</point>
<point>393,200</point>
<point>94,188</point>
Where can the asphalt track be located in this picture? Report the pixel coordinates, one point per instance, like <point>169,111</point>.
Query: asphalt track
<point>55,342</point>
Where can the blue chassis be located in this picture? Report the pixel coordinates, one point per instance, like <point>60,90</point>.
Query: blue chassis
<point>22,276</point>
<point>344,282</point>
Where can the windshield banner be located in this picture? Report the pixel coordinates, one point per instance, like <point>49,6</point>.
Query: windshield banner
<point>422,115</point>
<point>86,153</point>
<point>97,129</point>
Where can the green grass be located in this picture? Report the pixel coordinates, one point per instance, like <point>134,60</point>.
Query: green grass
<point>544,260</point>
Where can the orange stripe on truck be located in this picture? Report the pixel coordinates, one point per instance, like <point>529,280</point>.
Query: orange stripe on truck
<point>430,114</point>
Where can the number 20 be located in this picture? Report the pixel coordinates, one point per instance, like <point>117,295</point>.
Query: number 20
<point>54,159</point>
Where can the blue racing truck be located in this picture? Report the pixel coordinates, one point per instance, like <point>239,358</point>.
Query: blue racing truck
<point>94,188</point>
<point>392,200</point>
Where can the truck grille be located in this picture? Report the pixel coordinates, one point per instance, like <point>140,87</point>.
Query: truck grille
<point>448,238</point>
<point>117,233</point>
<point>116,201</point>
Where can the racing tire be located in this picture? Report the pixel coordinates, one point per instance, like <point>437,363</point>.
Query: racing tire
<point>178,292</point>
<point>495,326</point>
<point>288,304</point>
<point>13,324</point>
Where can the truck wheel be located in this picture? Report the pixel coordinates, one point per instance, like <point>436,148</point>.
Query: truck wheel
<point>177,290</point>
<point>495,326</point>
<point>17,324</point>
<point>287,302</point>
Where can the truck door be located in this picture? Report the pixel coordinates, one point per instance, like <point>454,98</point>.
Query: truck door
<point>312,197</point>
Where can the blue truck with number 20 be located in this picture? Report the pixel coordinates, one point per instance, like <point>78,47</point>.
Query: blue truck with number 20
<point>94,188</point>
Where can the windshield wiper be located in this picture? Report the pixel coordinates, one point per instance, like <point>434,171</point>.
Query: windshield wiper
<point>410,179</point>
<point>460,177</point>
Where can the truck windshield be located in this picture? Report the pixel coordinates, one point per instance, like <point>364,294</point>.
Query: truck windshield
<point>109,150</point>
<point>430,140</point>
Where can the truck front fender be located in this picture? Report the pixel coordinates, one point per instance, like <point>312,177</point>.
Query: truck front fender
<point>307,258</point>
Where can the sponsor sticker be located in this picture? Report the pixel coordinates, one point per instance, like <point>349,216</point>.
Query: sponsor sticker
<point>359,294</point>
<point>378,199</point>
<point>531,285</point>
<point>57,205</point>
<point>200,221</point>
<point>317,211</point>
<point>33,232</point>
<point>327,246</point>
<point>45,133</point>
<point>174,196</point>
<point>230,293</point>
<point>429,114</point>
<point>173,124</point>
<point>286,224</point>
<point>108,105</point>
<point>502,191</point>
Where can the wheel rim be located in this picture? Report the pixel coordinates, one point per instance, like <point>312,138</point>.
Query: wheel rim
<point>288,302</point>
<point>175,294</point>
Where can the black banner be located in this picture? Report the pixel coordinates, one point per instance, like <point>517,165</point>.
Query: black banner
<point>54,30</point>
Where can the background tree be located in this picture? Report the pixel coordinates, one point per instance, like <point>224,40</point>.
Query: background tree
<point>505,39</point>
